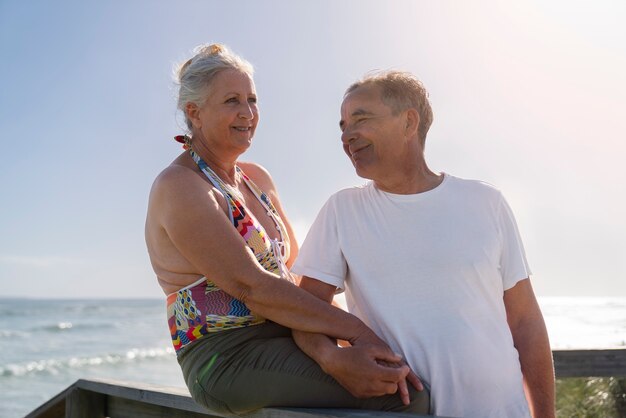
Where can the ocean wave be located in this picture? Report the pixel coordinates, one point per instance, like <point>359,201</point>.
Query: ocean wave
<point>64,326</point>
<point>57,366</point>
<point>36,308</point>
<point>9,333</point>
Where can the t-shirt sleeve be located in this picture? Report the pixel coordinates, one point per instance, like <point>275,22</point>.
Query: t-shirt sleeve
<point>321,257</point>
<point>513,264</point>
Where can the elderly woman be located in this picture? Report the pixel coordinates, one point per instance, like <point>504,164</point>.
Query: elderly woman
<point>221,247</point>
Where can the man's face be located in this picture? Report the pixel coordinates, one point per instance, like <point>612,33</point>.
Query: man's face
<point>371,133</point>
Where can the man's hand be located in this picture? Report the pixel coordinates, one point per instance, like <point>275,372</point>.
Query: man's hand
<point>402,385</point>
<point>368,338</point>
<point>365,370</point>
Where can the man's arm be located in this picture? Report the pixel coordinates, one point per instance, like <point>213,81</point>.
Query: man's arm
<point>531,341</point>
<point>356,368</point>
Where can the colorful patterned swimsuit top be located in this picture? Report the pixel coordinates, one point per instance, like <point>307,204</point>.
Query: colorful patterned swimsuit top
<point>202,307</point>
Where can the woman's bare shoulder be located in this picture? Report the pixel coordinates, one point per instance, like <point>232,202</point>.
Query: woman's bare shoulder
<point>178,170</point>
<point>177,176</point>
<point>258,174</point>
<point>179,185</point>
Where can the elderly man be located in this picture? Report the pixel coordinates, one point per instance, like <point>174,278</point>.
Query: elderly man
<point>433,263</point>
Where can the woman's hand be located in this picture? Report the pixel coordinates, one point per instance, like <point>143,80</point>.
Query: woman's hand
<point>390,360</point>
<point>365,336</point>
<point>367,370</point>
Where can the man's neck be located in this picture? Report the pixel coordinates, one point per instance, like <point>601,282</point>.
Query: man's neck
<point>416,178</point>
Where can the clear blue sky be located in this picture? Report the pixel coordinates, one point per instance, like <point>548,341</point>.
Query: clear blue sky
<point>529,97</point>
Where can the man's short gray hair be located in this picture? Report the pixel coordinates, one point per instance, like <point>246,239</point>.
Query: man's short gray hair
<point>400,91</point>
<point>196,74</point>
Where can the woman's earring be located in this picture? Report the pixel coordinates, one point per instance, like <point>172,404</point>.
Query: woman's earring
<point>185,140</point>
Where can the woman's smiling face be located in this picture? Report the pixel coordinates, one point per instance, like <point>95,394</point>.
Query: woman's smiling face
<point>230,115</point>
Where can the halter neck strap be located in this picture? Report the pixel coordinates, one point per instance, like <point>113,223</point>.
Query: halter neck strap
<point>226,190</point>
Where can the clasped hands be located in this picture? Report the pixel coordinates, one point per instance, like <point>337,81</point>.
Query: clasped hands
<point>369,368</point>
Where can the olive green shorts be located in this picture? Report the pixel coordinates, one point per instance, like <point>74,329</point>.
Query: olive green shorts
<point>240,370</point>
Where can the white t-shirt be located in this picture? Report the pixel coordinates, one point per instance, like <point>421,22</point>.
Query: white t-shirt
<point>427,273</point>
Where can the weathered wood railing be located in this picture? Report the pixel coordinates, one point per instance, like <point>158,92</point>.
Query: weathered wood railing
<point>590,363</point>
<point>115,399</point>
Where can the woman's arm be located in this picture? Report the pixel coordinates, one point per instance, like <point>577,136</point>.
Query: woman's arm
<point>183,205</point>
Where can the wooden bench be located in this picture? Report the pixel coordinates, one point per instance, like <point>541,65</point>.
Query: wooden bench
<point>117,399</point>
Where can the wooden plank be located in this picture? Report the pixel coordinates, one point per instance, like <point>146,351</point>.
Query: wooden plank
<point>81,403</point>
<point>327,413</point>
<point>590,363</point>
<point>177,398</point>
<point>126,408</point>
<point>53,408</point>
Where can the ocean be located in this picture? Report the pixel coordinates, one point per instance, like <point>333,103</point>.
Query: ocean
<point>46,345</point>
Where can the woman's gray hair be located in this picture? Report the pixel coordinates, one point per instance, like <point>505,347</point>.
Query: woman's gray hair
<point>196,74</point>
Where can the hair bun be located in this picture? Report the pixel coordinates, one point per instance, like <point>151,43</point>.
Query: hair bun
<point>215,49</point>
<point>208,50</point>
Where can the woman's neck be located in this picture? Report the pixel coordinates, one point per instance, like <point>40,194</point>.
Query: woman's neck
<point>224,166</point>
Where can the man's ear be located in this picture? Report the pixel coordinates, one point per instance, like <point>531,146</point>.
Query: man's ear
<point>412,122</point>
<point>193,114</point>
